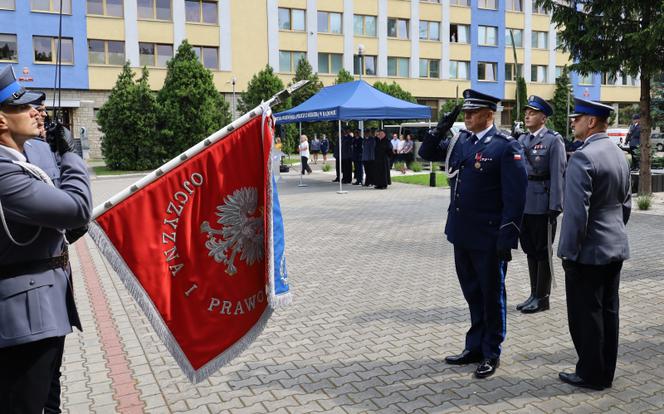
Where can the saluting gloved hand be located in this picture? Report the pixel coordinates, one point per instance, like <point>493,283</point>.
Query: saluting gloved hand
<point>446,121</point>
<point>504,255</point>
<point>553,214</point>
<point>59,138</point>
<point>74,234</point>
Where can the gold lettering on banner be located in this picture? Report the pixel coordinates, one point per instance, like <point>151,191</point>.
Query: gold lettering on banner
<point>174,209</point>
<point>239,307</point>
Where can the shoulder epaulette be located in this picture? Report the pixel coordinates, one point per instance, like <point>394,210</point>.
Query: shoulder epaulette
<point>504,135</point>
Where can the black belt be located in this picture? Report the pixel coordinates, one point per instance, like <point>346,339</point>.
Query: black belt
<point>34,266</point>
<point>539,177</point>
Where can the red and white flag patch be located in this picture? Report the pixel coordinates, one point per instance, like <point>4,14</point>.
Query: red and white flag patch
<point>517,157</point>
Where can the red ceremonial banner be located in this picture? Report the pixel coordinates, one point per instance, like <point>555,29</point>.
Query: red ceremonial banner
<point>192,248</point>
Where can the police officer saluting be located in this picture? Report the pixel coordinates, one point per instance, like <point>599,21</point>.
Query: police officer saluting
<point>593,245</point>
<point>545,162</point>
<point>488,189</point>
<point>36,296</point>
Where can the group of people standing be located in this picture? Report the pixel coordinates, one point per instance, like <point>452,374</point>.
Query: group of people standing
<point>367,158</point>
<point>504,191</point>
<point>318,146</point>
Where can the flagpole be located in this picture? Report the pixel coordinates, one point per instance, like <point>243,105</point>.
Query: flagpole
<point>173,163</point>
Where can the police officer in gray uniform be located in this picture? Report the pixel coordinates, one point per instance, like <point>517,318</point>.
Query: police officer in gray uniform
<point>545,161</point>
<point>37,305</point>
<point>593,244</point>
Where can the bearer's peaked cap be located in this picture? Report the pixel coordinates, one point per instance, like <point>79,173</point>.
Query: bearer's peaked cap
<point>539,104</point>
<point>477,100</point>
<point>592,108</point>
<point>11,93</point>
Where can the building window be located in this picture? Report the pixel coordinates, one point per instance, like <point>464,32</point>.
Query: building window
<point>518,37</point>
<point>329,63</point>
<point>538,9</point>
<point>486,71</point>
<point>459,33</point>
<point>208,56</point>
<point>288,60</point>
<point>154,9</point>
<point>487,35</point>
<point>329,22</point>
<point>154,54</point>
<point>397,28</point>
<point>291,19</point>
<point>510,74</point>
<point>429,68</point>
<point>106,52</point>
<point>429,30</point>
<point>8,49</point>
<point>7,5</point>
<point>459,69</point>
<point>398,66</point>
<point>559,71</point>
<point>112,8</point>
<point>586,79</point>
<point>539,40</point>
<point>364,25</point>
<point>514,5</point>
<point>430,1</point>
<point>486,4</point>
<point>50,6</point>
<point>460,2</point>
<point>368,65</point>
<point>201,11</point>
<point>46,49</point>
<point>538,73</point>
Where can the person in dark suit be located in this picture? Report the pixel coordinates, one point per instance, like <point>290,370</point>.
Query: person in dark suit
<point>36,297</point>
<point>382,155</point>
<point>593,245</point>
<point>488,183</point>
<point>347,157</point>
<point>368,156</point>
<point>634,140</point>
<point>357,158</point>
<point>545,162</point>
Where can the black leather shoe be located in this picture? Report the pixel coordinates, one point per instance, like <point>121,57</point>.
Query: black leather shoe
<point>536,305</point>
<point>525,303</point>
<point>357,183</point>
<point>466,357</point>
<point>487,368</point>
<point>336,180</point>
<point>572,379</point>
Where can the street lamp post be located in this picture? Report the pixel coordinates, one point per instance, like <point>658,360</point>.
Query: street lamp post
<point>233,81</point>
<point>360,54</point>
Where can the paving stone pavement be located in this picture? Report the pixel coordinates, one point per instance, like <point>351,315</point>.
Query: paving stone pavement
<point>376,308</point>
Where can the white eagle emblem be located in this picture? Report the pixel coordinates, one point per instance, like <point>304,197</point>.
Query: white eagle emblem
<point>241,231</point>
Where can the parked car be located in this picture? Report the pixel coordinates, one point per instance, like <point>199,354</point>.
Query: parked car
<point>618,136</point>
<point>657,141</point>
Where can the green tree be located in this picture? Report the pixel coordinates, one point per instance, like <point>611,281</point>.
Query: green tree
<point>262,86</point>
<point>394,89</point>
<point>562,102</point>
<point>191,108</point>
<point>521,97</point>
<point>613,36</point>
<point>658,105</point>
<point>128,124</point>
<point>448,106</point>
<point>343,76</point>
<point>304,71</point>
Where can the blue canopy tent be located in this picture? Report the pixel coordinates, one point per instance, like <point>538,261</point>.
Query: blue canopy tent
<point>352,101</point>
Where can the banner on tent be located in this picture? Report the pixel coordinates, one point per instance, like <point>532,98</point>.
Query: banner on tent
<point>201,247</point>
<point>305,116</point>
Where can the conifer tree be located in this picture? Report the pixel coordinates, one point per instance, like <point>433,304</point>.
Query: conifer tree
<point>521,97</point>
<point>262,86</point>
<point>128,124</point>
<point>343,76</point>
<point>190,107</point>
<point>562,101</point>
<point>304,71</point>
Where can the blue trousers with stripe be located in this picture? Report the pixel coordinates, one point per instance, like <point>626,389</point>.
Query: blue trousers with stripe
<point>482,278</point>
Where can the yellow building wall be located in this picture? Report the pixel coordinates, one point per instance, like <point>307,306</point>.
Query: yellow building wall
<point>105,28</point>
<point>398,48</point>
<point>515,20</point>
<point>330,43</point>
<point>292,41</point>
<point>295,4</point>
<point>430,50</point>
<point>202,34</point>
<point>157,32</point>
<point>365,7</point>
<point>398,8</point>
<point>459,14</point>
<point>619,93</point>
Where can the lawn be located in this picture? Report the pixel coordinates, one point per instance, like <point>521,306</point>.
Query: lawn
<point>422,179</point>
<point>104,170</point>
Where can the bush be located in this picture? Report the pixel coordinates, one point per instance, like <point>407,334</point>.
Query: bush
<point>415,166</point>
<point>644,202</point>
<point>399,166</point>
<point>326,167</point>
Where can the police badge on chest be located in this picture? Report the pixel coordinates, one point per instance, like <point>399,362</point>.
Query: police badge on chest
<point>481,161</point>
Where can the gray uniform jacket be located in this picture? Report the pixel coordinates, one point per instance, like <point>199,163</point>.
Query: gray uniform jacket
<point>39,305</point>
<point>39,153</point>
<point>545,156</point>
<point>597,204</point>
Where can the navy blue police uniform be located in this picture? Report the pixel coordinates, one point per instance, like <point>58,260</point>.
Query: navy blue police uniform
<point>357,158</point>
<point>488,182</point>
